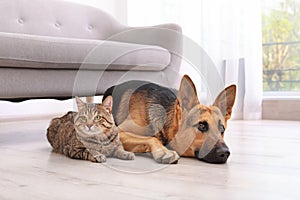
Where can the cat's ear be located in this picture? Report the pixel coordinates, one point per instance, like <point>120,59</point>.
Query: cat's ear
<point>108,103</point>
<point>80,103</point>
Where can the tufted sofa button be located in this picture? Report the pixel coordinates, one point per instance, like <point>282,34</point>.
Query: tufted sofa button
<point>21,21</point>
<point>90,27</point>
<point>57,24</point>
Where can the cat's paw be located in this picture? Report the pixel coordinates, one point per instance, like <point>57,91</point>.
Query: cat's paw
<point>66,150</point>
<point>126,155</point>
<point>99,158</point>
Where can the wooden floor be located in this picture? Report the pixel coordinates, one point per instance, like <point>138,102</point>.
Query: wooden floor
<point>264,164</point>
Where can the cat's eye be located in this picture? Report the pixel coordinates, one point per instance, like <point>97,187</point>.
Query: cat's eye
<point>203,126</point>
<point>83,118</point>
<point>97,118</point>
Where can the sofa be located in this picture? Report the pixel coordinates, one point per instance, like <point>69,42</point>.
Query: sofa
<point>59,49</point>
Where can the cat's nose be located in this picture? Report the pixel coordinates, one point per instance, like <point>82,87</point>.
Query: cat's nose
<point>89,126</point>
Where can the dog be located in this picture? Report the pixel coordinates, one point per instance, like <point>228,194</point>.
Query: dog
<point>171,123</point>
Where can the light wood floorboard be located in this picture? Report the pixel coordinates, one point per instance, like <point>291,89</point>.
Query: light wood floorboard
<point>264,164</point>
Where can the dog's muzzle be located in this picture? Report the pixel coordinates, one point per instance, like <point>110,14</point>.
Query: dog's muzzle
<point>218,154</point>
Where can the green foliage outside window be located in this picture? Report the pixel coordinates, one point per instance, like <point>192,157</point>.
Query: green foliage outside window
<point>281,46</point>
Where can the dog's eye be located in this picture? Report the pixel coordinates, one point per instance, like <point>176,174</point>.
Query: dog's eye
<point>203,126</point>
<point>221,127</point>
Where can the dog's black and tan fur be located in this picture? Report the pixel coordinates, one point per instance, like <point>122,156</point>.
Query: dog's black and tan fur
<point>169,123</point>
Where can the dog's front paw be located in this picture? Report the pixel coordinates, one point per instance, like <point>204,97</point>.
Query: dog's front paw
<point>165,156</point>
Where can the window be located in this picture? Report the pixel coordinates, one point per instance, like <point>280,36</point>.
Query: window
<point>281,47</point>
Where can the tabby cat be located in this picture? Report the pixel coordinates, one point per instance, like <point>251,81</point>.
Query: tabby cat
<point>90,134</point>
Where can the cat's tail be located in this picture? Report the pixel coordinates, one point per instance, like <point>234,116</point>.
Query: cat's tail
<point>52,132</point>
<point>58,130</point>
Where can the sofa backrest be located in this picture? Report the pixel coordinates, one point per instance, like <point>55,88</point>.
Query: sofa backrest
<point>56,18</point>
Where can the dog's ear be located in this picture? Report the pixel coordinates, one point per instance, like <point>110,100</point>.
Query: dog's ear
<point>187,94</point>
<point>108,103</point>
<point>225,101</point>
<point>80,103</point>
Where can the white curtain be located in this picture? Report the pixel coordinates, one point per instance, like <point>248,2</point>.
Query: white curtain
<point>228,31</point>
<point>231,35</point>
<point>242,49</point>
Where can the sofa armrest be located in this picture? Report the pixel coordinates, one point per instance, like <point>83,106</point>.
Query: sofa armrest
<point>168,36</point>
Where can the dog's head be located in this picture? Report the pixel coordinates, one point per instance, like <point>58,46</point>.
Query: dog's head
<point>204,124</point>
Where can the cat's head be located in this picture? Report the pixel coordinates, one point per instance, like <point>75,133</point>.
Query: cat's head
<point>94,118</point>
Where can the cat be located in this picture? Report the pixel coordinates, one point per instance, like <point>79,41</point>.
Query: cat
<point>89,134</point>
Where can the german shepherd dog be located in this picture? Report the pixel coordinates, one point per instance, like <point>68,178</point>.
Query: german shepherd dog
<point>170,123</point>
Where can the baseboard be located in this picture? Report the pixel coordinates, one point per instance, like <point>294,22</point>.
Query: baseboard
<point>14,118</point>
<point>33,109</point>
<point>281,109</point>
<point>36,109</point>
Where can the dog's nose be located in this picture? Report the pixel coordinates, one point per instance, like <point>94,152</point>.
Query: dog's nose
<point>219,154</point>
<point>222,153</point>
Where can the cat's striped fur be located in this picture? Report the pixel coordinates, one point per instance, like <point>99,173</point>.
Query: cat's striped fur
<point>90,134</point>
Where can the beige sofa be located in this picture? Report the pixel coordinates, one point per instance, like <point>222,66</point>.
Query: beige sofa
<point>58,49</point>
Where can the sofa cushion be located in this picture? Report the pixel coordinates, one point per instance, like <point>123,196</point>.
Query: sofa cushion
<point>43,52</point>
